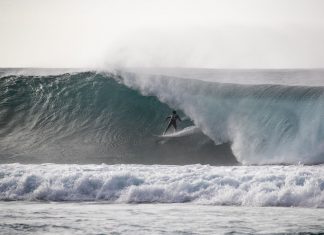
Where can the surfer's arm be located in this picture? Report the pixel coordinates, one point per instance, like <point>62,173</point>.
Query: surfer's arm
<point>168,117</point>
<point>179,118</point>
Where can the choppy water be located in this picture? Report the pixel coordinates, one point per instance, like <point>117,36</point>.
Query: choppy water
<point>92,218</point>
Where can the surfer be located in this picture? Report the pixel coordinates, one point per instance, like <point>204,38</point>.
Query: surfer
<point>173,121</point>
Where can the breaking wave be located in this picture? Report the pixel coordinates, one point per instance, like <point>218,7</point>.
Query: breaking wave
<point>300,186</point>
<point>90,117</point>
<point>265,124</point>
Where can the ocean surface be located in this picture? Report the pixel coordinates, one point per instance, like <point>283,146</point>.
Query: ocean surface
<point>81,151</point>
<point>100,218</point>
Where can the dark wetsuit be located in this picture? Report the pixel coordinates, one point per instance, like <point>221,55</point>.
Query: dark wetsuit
<point>173,121</point>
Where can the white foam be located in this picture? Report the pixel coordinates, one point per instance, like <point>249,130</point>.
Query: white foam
<point>264,124</point>
<point>300,186</point>
<point>184,132</point>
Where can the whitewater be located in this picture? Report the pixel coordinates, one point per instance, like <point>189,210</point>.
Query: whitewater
<point>249,154</point>
<point>299,186</point>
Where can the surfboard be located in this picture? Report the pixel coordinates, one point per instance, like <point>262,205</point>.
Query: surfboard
<point>184,132</point>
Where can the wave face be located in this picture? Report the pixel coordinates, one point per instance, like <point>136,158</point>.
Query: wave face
<point>265,124</point>
<point>301,186</point>
<point>90,117</point>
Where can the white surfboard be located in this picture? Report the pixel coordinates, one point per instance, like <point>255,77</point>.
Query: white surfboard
<point>184,132</point>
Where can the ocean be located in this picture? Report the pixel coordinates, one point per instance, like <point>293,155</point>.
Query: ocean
<point>81,151</point>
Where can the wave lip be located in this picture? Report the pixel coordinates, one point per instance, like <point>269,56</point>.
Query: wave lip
<point>299,186</point>
<point>92,118</point>
<point>265,124</point>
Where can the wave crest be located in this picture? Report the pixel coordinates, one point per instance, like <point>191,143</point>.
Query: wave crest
<point>265,124</point>
<point>89,117</point>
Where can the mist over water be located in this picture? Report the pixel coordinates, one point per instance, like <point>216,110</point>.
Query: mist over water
<point>222,34</point>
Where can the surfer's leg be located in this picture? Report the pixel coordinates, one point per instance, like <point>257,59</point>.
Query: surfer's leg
<point>174,126</point>
<point>167,128</point>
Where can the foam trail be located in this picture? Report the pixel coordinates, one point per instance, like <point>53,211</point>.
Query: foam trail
<point>184,132</point>
<point>301,186</point>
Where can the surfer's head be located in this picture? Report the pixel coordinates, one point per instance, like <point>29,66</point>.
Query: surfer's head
<point>174,112</point>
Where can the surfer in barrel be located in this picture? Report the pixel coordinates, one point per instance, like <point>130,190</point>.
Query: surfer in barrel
<point>173,121</point>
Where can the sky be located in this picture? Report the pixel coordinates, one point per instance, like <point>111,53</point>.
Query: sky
<point>162,33</point>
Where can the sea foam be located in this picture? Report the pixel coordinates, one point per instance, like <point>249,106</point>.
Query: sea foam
<point>298,186</point>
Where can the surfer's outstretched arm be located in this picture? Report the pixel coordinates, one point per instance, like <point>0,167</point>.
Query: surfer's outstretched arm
<point>168,117</point>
